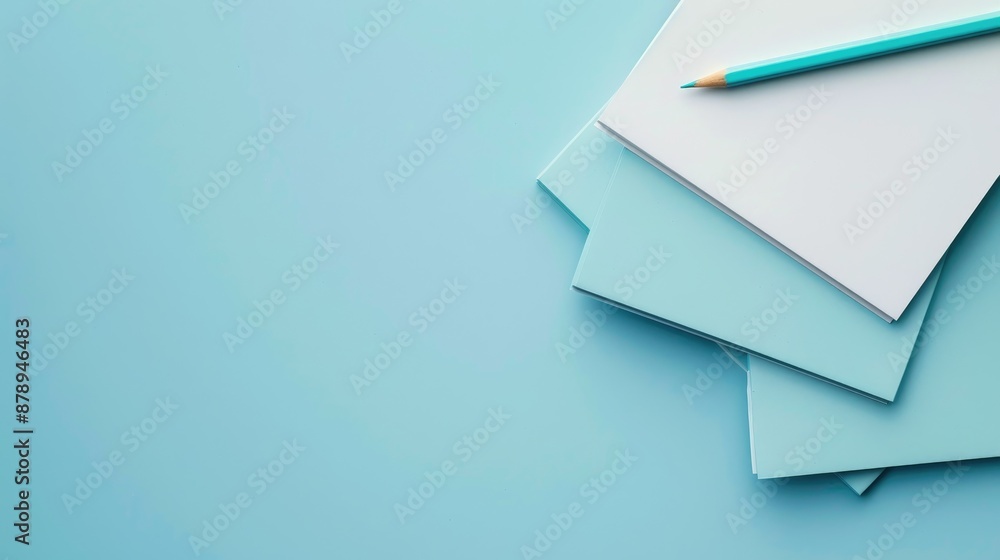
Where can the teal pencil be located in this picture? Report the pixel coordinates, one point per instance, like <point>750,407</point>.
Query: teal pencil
<point>850,52</point>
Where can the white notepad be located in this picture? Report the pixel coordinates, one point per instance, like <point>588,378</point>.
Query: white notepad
<point>865,173</point>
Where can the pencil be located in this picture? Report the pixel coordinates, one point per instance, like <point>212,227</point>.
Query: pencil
<point>850,52</point>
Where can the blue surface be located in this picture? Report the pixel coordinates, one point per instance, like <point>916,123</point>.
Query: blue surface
<point>290,381</point>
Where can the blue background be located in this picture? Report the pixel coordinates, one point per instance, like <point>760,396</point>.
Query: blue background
<point>494,347</point>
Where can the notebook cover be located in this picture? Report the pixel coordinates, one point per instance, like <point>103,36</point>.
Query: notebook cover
<point>860,481</point>
<point>579,176</point>
<point>662,251</point>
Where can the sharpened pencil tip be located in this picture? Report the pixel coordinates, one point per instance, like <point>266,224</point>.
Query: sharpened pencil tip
<point>716,80</point>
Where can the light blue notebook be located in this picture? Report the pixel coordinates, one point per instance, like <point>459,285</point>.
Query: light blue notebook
<point>579,177</point>
<point>946,410</point>
<point>859,481</point>
<point>662,251</point>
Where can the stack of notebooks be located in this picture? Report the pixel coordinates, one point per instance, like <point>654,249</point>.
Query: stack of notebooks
<point>856,203</point>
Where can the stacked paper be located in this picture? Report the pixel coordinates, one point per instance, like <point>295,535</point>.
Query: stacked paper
<point>663,240</point>
<point>581,197</point>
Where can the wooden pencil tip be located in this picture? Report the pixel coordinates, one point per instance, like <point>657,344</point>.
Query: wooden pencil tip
<point>715,80</point>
